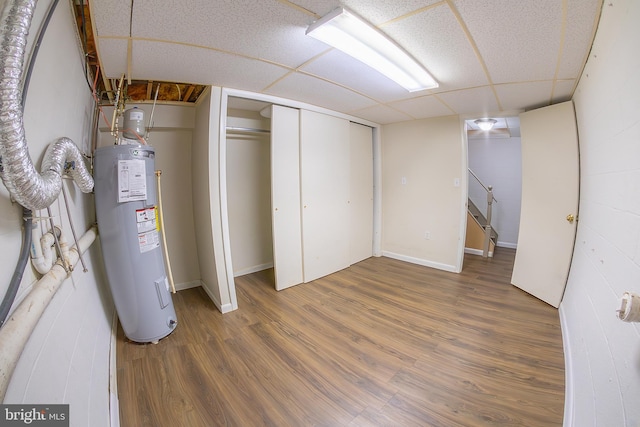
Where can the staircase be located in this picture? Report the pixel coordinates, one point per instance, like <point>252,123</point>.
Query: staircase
<point>481,235</point>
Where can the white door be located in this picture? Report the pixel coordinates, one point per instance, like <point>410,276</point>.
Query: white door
<point>361,199</point>
<point>550,191</point>
<point>325,176</point>
<point>285,196</point>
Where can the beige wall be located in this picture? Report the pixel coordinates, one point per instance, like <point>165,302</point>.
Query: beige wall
<point>173,158</point>
<point>429,155</point>
<point>249,193</point>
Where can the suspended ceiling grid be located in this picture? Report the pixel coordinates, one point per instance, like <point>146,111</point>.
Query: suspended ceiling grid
<point>491,58</point>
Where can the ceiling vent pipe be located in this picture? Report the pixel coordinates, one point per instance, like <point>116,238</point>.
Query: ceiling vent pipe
<point>25,184</point>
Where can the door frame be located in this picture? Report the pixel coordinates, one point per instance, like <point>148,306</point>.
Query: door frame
<point>465,167</point>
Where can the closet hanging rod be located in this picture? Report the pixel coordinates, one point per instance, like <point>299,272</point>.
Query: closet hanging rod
<point>243,129</point>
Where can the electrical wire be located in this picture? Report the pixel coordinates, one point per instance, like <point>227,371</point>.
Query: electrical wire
<point>95,97</point>
<point>23,258</point>
<point>36,48</point>
<point>85,47</point>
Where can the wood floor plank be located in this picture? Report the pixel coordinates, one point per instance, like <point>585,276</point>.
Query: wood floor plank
<point>382,343</point>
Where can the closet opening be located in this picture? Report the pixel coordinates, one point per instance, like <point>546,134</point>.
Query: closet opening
<point>299,191</point>
<point>248,144</point>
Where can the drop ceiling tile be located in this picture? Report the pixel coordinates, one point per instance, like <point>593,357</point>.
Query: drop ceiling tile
<point>301,87</point>
<point>258,29</point>
<point>518,96</point>
<point>563,90</point>
<point>480,101</point>
<point>519,41</point>
<point>578,37</point>
<point>343,69</point>
<point>436,40</point>
<point>381,114</point>
<point>423,107</point>
<point>113,56</point>
<point>166,62</point>
<point>109,17</point>
<point>374,11</point>
<point>522,44</point>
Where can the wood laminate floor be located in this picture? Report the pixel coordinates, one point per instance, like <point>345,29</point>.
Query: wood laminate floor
<point>382,343</point>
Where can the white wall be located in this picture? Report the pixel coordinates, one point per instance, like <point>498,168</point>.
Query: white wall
<point>497,162</point>
<point>602,352</point>
<point>207,206</point>
<point>171,137</point>
<point>249,193</point>
<point>66,360</point>
<point>429,155</point>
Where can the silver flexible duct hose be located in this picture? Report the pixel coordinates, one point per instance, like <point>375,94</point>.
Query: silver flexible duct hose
<point>25,184</point>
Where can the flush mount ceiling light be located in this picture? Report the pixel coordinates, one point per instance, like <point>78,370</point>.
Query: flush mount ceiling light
<point>485,124</point>
<point>355,37</point>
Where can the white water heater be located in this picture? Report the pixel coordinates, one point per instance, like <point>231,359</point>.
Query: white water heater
<point>126,209</point>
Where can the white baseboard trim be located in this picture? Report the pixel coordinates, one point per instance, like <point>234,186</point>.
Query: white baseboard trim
<point>188,285</point>
<point>213,297</point>
<point>226,308</point>
<point>508,245</point>
<point>253,269</point>
<point>420,261</point>
<point>114,403</point>
<point>114,410</point>
<point>223,308</point>
<point>569,396</point>
<point>473,251</point>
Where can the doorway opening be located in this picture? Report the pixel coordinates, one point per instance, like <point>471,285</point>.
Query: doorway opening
<point>494,164</point>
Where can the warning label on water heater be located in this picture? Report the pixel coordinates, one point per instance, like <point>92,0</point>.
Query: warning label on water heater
<point>148,237</point>
<point>132,181</point>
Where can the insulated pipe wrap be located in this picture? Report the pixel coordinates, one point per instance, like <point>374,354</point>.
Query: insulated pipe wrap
<point>26,185</point>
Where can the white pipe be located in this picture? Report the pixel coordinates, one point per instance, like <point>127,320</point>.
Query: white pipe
<point>153,109</point>
<point>47,241</point>
<point>37,257</point>
<point>64,248</point>
<point>20,325</point>
<point>42,253</point>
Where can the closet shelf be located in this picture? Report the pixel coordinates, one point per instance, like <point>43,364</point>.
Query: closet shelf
<point>235,129</point>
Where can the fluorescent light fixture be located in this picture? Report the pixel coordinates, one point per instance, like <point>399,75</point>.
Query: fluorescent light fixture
<point>485,124</point>
<point>359,39</point>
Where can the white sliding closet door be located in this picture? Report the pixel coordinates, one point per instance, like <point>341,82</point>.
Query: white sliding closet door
<point>285,196</point>
<point>361,199</point>
<point>325,178</point>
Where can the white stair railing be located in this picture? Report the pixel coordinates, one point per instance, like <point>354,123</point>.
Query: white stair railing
<point>476,191</point>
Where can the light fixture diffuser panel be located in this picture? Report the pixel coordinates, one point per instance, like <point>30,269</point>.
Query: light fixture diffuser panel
<point>345,31</point>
